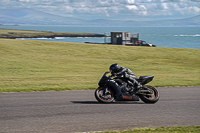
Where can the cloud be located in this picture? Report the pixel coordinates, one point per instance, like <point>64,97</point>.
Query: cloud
<point>131,1</point>
<point>164,6</point>
<point>126,9</point>
<point>132,7</point>
<point>196,9</point>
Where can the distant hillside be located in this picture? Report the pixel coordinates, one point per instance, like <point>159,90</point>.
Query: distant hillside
<point>34,17</point>
<point>193,21</point>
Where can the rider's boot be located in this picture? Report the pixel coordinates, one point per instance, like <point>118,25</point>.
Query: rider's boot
<point>135,83</point>
<point>139,86</point>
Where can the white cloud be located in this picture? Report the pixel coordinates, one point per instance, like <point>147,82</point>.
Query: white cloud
<point>107,14</point>
<point>165,6</point>
<point>109,8</point>
<point>132,7</point>
<point>69,9</point>
<point>131,1</point>
<point>24,0</point>
<point>196,9</point>
<point>142,7</point>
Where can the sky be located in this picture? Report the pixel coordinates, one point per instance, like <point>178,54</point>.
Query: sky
<point>137,10</point>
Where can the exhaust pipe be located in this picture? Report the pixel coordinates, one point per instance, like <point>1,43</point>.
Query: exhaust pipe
<point>143,91</point>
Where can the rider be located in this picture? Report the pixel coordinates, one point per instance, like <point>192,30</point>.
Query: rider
<point>117,71</point>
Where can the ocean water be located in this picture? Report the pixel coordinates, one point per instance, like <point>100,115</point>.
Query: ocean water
<point>174,37</point>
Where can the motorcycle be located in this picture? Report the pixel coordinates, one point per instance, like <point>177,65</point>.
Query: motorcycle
<point>110,89</point>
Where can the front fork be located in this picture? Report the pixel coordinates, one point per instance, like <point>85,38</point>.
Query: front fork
<point>106,90</point>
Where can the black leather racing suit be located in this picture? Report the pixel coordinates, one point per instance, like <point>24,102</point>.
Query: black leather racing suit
<point>128,74</point>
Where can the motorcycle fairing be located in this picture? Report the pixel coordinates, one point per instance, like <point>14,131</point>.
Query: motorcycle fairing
<point>115,86</point>
<point>127,97</point>
<point>120,96</point>
<point>145,79</point>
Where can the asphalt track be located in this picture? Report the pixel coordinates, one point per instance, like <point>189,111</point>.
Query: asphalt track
<point>78,111</point>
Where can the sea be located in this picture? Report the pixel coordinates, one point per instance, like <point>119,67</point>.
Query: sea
<point>173,37</point>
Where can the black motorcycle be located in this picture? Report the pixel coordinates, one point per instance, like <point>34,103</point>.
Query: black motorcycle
<point>111,89</point>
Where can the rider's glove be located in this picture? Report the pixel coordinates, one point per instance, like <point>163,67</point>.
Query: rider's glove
<point>114,74</point>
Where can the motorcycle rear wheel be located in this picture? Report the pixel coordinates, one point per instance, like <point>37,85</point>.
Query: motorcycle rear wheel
<point>150,98</point>
<point>103,97</point>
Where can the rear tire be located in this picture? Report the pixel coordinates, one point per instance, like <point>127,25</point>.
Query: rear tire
<point>102,97</point>
<point>150,98</point>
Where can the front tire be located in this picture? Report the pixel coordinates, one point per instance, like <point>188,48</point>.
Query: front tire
<point>104,97</point>
<point>150,98</point>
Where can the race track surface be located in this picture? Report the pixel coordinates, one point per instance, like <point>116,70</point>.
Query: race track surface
<point>78,111</point>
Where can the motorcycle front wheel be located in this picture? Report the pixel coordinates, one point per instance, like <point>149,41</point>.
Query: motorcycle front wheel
<point>104,97</point>
<point>153,97</point>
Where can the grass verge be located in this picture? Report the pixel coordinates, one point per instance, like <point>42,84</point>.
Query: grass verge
<point>189,129</point>
<point>28,65</point>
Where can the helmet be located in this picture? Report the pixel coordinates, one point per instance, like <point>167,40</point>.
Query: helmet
<point>114,68</point>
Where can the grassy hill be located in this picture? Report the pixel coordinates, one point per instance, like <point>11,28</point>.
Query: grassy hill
<point>38,65</point>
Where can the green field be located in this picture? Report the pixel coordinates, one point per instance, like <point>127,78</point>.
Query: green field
<point>190,129</point>
<point>38,65</point>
